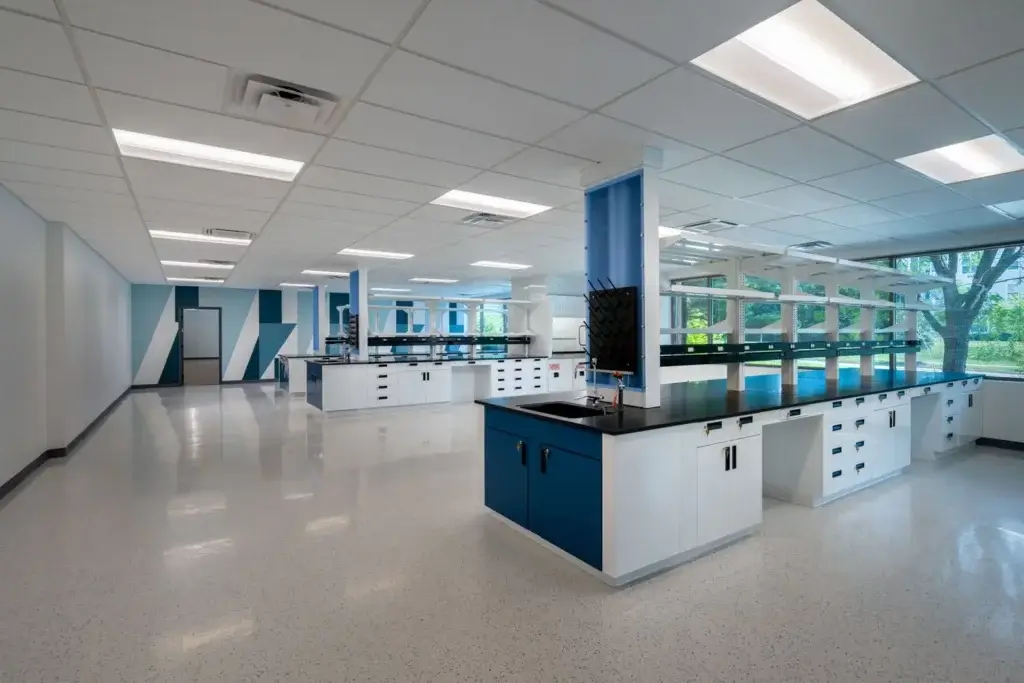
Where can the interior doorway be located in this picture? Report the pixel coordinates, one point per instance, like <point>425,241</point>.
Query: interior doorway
<point>200,346</point>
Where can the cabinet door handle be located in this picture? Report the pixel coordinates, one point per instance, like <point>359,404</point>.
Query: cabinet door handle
<point>950,385</point>
<point>859,423</point>
<point>882,397</point>
<point>382,376</point>
<point>837,404</point>
<point>795,412</point>
<point>859,466</point>
<point>892,418</point>
<point>949,402</point>
<point>734,457</point>
<point>949,420</point>
<point>544,454</point>
<point>859,445</point>
<point>963,383</point>
<point>949,436</point>
<point>901,394</point>
<point>837,473</point>
<point>428,376</point>
<point>859,401</point>
<point>970,400</point>
<point>837,450</point>
<point>712,426</point>
<point>382,387</point>
<point>927,390</point>
<point>837,428</point>
<point>728,463</point>
<point>749,419</point>
<point>521,447</point>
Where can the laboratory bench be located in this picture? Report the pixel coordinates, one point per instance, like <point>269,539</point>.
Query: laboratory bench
<point>634,491</point>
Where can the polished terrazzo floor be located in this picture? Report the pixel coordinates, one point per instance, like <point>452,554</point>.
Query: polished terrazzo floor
<point>235,535</point>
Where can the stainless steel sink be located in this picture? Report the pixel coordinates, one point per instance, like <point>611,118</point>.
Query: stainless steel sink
<point>563,409</point>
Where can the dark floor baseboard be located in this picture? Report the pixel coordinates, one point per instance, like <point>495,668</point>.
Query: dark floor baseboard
<point>14,482</point>
<point>1000,443</point>
<point>91,427</point>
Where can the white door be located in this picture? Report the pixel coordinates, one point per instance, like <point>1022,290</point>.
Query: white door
<point>876,458</point>
<point>438,387</point>
<point>901,438</point>
<point>972,417</point>
<point>729,478</point>
<point>412,386</point>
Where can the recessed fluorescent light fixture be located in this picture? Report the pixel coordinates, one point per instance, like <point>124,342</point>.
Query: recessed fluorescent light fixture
<point>433,280</point>
<point>807,60</point>
<point>388,289</point>
<point>500,264</point>
<point>979,158</point>
<point>198,264</point>
<point>664,231</point>
<point>535,287</point>
<point>325,273</point>
<point>296,284</point>
<point>184,153</point>
<point>370,253</point>
<point>197,237</point>
<point>203,280</point>
<point>457,199</point>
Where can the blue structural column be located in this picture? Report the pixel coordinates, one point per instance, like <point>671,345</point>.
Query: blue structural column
<point>622,249</point>
<point>316,319</point>
<point>358,289</point>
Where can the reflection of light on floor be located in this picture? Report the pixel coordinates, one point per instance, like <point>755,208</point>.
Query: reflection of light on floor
<point>224,629</point>
<point>326,525</point>
<point>198,550</point>
<point>186,506</point>
<point>1015,537</point>
<point>298,496</point>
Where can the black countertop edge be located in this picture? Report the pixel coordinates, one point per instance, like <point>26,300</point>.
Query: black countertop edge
<point>319,360</point>
<point>707,401</point>
<point>564,354</point>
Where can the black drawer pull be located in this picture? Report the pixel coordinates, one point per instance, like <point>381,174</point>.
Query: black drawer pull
<point>382,387</point>
<point>501,388</point>
<point>536,386</point>
<point>901,394</point>
<point>501,361</point>
<point>927,390</point>
<point>519,360</point>
<point>950,436</point>
<point>438,363</point>
<point>413,365</point>
<point>382,365</point>
<point>501,369</point>
<point>795,412</point>
<point>963,383</point>
<point>949,419</point>
<point>712,426</point>
<point>837,450</point>
<point>837,404</point>
<point>556,376</point>
<point>749,419</point>
<point>949,402</point>
<point>382,376</point>
<point>471,362</point>
<point>382,398</point>
<point>950,384</point>
<point>538,376</point>
<point>837,428</point>
<point>837,473</point>
<point>859,466</point>
<point>882,397</point>
<point>975,380</point>
<point>518,388</point>
<point>970,400</point>
<point>501,379</point>
<point>859,423</point>
<point>859,444</point>
<point>859,401</point>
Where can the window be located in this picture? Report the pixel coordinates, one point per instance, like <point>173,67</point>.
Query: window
<point>978,322</point>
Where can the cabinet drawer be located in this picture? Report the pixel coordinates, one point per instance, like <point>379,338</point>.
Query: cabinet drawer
<point>918,392</point>
<point>384,399</point>
<point>889,399</point>
<point>836,476</point>
<point>729,428</point>
<point>952,403</point>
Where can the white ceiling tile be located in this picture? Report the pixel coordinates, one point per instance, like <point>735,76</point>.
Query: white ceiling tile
<point>844,237</point>
<point>419,86</point>
<point>292,227</point>
<point>874,182</point>
<point>536,48</point>
<point>380,19</point>
<point>348,200</point>
<point>510,187</point>
<point>678,220</point>
<point>1008,187</point>
<point>54,157</point>
<point>441,233</point>
<point>560,217</point>
<point>375,186</point>
<point>936,200</point>
<point>46,96</point>
<point>801,199</point>
<point>907,227</point>
<point>168,120</point>
<point>978,217</point>
<point>75,214</point>
<point>759,235</point>
<point>740,211</point>
<point>139,70</point>
<point>687,106</point>
<point>801,226</point>
<point>36,46</point>
<point>680,30</point>
<point>438,214</point>
<point>61,178</point>
<point>167,214</point>
<point>546,166</point>
<point>292,207</point>
<point>16,125</point>
<point>856,215</point>
<point>239,34</point>
<point>176,250</point>
<point>170,181</point>
<point>415,135</point>
<point>984,90</point>
<point>802,154</point>
<point>602,139</point>
<point>936,37</point>
<point>891,126</point>
<point>68,194</point>
<point>353,156</point>
<point>726,177</point>
<point>683,198</point>
<point>42,8</point>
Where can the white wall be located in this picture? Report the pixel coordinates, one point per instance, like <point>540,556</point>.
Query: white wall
<point>97,344</point>
<point>22,336</point>
<point>1001,410</point>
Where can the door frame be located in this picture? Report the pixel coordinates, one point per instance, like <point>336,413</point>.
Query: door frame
<point>181,342</point>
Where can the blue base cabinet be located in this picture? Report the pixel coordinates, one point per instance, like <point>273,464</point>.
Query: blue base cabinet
<point>546,477</point>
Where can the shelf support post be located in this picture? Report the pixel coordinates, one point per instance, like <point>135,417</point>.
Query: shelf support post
<point>832,330</point>
<point>790,330</point>
<point>736,373</point>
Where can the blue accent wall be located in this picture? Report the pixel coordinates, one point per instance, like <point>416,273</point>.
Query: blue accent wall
<point>337,323</point>
<point>353,289</point>
<point>270,306</point>
<point>316,319</point>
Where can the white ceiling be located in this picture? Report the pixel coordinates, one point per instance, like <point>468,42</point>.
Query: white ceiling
<point>505,97</point>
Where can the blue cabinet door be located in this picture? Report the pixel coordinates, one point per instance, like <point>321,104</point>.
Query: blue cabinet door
<point>505,475</point>
<point>565,500</point>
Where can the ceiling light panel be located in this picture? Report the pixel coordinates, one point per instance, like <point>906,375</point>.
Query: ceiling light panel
<point>372,253</point>
<point>325,273</point>
<point>458,199</point>
<point>664,231</point>
<point>297,284</point>
<point>388,289</point>
<point>198,264</point>
<point>201,280</point>
<point>432,280</point>
<point>807,60</point>
<point>184,153</point>
<point>196,237</point>
<point>980,158</point>
<point>500,264</point>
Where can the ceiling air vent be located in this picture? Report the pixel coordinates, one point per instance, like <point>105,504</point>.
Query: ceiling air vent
<point>487,220</point>
<point>710,225</point>
<point>280,103</point>
<point>224,232</point>
<point>811,246</point>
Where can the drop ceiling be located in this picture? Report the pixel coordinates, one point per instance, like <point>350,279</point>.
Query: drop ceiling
<point>512,98</point>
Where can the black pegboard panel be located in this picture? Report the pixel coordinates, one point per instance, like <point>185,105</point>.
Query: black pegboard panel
<point>614,321</point>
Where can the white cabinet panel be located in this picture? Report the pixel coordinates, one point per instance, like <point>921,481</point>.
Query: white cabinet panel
<point>901,445</point>
<point>971,427</point>
<point>438,385</point>
<point>729,493</point>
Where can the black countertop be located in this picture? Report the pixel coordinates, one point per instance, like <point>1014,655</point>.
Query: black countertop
<point>689,402</point>
<point>404,359</point>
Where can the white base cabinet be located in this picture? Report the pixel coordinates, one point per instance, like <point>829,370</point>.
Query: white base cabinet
<point>729,496</point>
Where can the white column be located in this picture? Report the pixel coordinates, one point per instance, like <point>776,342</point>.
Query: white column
<point>832,331</point>
<point>867,333</point>
<point>735,314</point>
<point>789,328</point>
